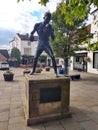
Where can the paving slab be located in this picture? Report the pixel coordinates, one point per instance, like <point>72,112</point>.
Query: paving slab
<point>4,125</point>
<point>83,104</point>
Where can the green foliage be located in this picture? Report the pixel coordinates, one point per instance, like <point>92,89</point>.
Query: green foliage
<point>38,70</point>
<point>70,2</point>
<point>42,2</point>
<point>21,0</point>
<point>68,37</point>
<point>93,47</point>
<point>73,9</point>
<point>15,53</point>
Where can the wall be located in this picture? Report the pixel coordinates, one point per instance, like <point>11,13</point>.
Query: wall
<point>90,68</point>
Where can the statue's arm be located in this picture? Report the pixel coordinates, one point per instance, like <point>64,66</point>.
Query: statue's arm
<point>52,33</point>
<point>31,35</point>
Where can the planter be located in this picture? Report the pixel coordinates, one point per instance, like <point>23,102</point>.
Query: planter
<point>87,59</point>
<point>8,77</point>
<point>38,70</point>
<point>26,71</point>
<point>47,68</point>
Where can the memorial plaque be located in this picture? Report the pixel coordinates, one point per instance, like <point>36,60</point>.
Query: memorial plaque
<point>51,94</point>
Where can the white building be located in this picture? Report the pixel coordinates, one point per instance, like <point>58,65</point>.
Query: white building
<point>23,44</point>
<point>93,65</point>
<point>78,62</point>
<point>27,48</point>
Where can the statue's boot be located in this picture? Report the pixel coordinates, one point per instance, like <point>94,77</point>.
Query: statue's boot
<point>34,66</point>
<point>31,73</point>
<point>55,68</point>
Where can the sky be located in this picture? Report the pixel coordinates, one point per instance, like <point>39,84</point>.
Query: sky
<point>20,17</point>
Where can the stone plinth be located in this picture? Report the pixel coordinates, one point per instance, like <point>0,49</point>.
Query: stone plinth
<point>47,98</point>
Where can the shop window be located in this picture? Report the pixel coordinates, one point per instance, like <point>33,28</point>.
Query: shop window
<point>95,60</point>
<point>77,59</point>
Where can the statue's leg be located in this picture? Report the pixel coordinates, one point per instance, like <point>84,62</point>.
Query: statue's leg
<point>54,64</point>
<point>34,65</point>
<point>49,51</point>
<point>38,53</point>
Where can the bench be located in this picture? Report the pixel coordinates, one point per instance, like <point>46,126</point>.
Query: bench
<point>75,77</point>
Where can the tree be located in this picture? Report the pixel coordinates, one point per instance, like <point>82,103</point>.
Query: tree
<point>69,38</point>
<point>42,2</point>
<point>73,9</point>
<point>15,54</point>
<point>73,2</point>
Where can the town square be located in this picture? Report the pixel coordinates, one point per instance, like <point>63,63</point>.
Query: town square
<point>83,104</point>
<point>49,65</point>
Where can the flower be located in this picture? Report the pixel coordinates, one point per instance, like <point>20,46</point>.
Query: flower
<point>87,59</point>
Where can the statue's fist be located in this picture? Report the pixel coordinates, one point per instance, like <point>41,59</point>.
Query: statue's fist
<point>31,38</point>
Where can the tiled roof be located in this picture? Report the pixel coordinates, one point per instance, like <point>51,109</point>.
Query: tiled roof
<point>25,37</point>
<point>2,58</point>
<point>4,53</point>
<point>35,38</point>
<point>94,11</point>
<point>88,27</point>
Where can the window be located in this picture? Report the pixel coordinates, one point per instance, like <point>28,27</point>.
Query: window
<point>27,51</point>
<point>95,60</point>
<point>29,43</point>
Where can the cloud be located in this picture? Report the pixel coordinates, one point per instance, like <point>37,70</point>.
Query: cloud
<point>5,37</point>
<point>21,17</point>
<point>15,15</point>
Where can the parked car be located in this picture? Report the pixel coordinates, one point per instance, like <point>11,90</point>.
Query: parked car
<point>4,65</point>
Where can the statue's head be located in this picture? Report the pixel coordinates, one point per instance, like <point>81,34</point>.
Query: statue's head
<point>47,17</point>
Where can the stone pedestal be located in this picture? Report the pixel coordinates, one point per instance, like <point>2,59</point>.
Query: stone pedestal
<point>47,98</point>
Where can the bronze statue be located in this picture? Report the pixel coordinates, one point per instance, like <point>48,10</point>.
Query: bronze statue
<point>44,31</point>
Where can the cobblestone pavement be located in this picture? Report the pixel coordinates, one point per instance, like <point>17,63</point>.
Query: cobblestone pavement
<point>83,104</point>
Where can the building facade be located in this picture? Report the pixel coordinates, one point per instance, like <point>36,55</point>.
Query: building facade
<point>88,60</point>
<point>27,48</point>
